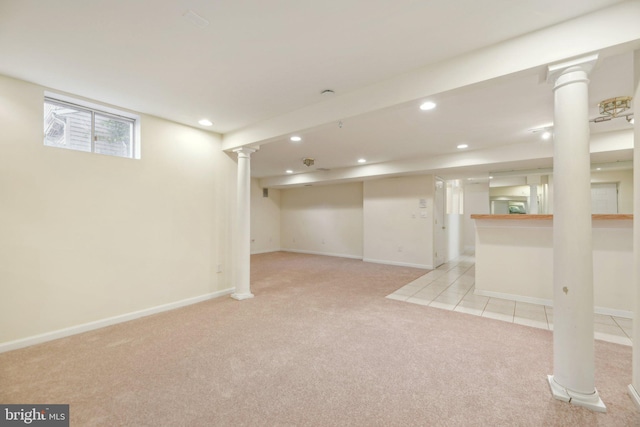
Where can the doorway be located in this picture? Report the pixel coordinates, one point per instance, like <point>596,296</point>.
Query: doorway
<point>439,224</point>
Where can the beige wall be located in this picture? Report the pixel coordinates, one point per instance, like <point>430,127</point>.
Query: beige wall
<point>265,219</point>
<point>322,219</point>
<point>394,230</point>
<point>514,260</point>
<point>84,237</point>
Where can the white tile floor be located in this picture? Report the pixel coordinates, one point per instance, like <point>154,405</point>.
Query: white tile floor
<point>451,287</point>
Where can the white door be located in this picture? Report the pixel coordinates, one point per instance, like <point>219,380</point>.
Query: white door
<point>604,198</point>
<point>439,224</point>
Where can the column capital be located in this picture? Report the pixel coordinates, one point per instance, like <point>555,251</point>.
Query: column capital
<point>245,151</point>
<point>585,64</point>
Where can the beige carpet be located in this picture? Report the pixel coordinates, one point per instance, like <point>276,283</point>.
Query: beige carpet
<point>318,346</point>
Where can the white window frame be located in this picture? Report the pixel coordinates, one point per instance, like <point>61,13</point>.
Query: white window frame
<point>103,110</point>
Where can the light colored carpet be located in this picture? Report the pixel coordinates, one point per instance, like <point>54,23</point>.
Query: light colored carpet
<point>319,345</point>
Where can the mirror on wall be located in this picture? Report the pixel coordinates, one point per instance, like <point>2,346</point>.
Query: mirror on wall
<point>510,192</point>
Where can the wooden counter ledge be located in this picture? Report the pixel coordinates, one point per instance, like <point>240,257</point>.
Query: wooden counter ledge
<point>521,217</point>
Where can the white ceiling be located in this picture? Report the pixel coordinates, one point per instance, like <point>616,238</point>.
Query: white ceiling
<point>258,60</point>
<point>482,116</point>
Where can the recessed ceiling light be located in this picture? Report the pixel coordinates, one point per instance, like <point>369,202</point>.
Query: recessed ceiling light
<point>598,169</point>
<point>462,146</point>
<point>428,106</point>
<point>289,171</point>
<point>295,138</point>
<point>490,177</point>
<point>546,135</point>
<point>205,122</point>
<point>362,160</point>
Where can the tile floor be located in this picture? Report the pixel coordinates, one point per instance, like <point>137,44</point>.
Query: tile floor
<point>451,287</point>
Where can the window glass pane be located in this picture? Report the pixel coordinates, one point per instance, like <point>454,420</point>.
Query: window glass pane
<point>67,127</point>
<point>113,136</point>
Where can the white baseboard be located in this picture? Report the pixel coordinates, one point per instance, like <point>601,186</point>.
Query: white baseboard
<point>300,251</point>
<point>267,251</point>
<point>511,297</point>
<point>401,264</point>
<point>634,395</point>
<point>614,312</point>
<point>85,327</point>
<point>541,301</point>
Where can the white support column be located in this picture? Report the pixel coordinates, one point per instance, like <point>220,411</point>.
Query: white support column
<point>634,387</point>
<point>573,347</point>
<point>242,241</point>
<point>533,199</point>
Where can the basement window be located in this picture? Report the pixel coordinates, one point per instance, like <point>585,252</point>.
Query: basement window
<point>81,126</point>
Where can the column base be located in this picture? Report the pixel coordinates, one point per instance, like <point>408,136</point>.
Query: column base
<point>241,296</point>
<point>590,401</point>
<point>633,394</point>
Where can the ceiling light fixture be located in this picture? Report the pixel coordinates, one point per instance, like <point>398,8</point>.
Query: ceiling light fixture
<point>362,160</point>
<point>546,135</point>
<point>328,92</point>
<point>307,161</point>
<point>295,138</point>
<point>462,146</point>
<point>205,122</point>
<point>427,106</point>
<point>612,108</point>
<point>289,171</point>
